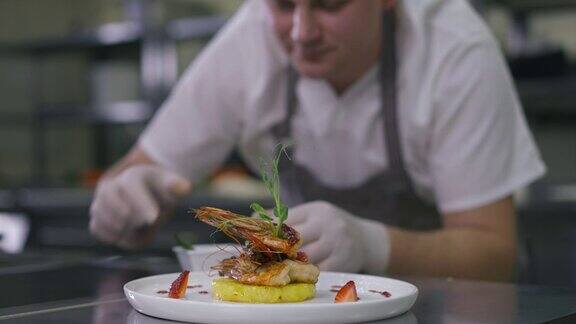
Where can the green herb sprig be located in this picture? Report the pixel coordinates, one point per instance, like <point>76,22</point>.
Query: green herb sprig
<point>185,239</point>
<point>271,178</point>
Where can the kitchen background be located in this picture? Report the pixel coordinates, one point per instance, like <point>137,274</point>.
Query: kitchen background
<point>80,78</point>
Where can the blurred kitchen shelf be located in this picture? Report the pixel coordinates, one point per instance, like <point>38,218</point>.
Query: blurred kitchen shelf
<point>547,229</point>
<point>7,200</point>
<point>122,112</point>
<point>145,40</point>
<point>111,34</point>
<point>550,97</point>
<point>120,33</point>
<point>34,260</point>
<point>15,119</point>
<point>533,5</point>
<point>40,260</point>
<point>48,199</point>
<point>546,198</point>
<point>194,28</point>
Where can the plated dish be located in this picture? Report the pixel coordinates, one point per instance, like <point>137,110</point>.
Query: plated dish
<point>269,280</point>
<point>269,267</point>
<point>149,296</point>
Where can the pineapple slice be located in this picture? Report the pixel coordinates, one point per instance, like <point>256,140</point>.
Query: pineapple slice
<point>231,290</point>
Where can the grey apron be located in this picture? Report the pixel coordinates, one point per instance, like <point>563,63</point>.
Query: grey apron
<point>388,197</point>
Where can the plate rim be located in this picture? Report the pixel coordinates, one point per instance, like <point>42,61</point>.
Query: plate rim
<point>414,292</point>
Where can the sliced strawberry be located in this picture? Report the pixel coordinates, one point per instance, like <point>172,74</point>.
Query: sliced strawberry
<point>347,293</point>
<point>178,286</point>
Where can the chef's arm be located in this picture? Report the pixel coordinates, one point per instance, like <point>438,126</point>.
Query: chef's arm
<point>136,156</point>
<point>478,243</point>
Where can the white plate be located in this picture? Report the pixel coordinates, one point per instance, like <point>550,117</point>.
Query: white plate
<point>201,308</point>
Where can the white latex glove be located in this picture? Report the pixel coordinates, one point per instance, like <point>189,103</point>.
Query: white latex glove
<point>127,209</point>
<point>335,240</point>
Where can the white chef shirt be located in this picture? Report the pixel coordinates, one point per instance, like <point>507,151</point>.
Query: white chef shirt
<point>465,140</point>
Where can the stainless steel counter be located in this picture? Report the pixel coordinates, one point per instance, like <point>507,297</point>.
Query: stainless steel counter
<point>91,292</point>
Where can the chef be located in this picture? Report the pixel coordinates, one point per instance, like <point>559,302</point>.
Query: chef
<point>407,137</point>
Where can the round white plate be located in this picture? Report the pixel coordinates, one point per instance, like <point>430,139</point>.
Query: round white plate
<point>199,307</point>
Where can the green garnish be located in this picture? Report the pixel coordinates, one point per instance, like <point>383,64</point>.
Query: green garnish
<point>185,240</point>
<point>271,178</point>
<point>260,211</point>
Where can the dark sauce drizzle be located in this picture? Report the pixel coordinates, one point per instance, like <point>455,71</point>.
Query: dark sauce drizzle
<point>383,293</point>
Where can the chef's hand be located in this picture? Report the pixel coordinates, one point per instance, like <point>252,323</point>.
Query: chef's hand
<point>335,240</point>
<point>127,208</point>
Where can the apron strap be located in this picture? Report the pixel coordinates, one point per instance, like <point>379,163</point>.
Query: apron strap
<point>389,99</point>
<point>282,130</point>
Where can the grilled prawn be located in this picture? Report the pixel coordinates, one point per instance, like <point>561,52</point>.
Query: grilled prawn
<point>256,231</point>
<point>272,273</point>
<point>266,260</point>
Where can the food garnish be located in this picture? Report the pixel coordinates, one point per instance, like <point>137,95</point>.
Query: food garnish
<point>269,268</point>
<point>264,262</point>
<point>383,293</point>
<point>265,259</point>
<point>271,178</point>
<point>178,286</point>
<point>347,293</point>
<point>185,239</point>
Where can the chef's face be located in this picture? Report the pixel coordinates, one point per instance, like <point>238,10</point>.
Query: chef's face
<point>329,39</point>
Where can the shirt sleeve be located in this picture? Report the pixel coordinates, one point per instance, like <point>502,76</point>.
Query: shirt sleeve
<point>198,125</point>
<point>481,147</point>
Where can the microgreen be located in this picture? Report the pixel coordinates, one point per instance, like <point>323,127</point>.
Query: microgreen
<point>260,211</point>
<point>271,178</point>
<point>185,239</point>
